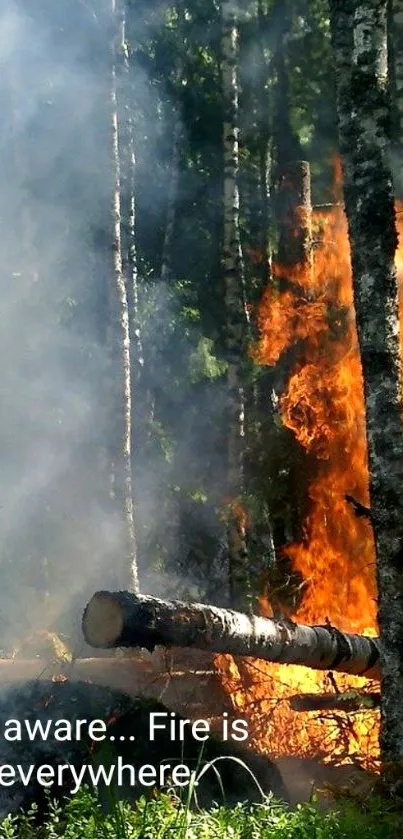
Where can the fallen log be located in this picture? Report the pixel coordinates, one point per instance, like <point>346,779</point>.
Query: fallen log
<point>122,619</point>
<point>349,702</point>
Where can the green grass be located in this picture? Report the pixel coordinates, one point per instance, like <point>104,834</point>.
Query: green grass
<point>164,817</point>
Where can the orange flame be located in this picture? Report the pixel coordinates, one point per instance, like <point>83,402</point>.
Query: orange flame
<point>323,405</point>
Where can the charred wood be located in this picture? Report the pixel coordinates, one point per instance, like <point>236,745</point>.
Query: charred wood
<point>348,702</point>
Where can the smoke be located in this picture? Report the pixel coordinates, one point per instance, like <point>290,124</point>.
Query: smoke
<point>60,535</point>
<point>55,195</point>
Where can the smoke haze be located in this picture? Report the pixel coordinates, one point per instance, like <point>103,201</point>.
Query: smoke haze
<point>55,194</point>
<point>61,537</point>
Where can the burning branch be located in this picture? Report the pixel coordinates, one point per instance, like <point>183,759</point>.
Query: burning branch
<point>359,509</point>
<point>122,619</point>
<point>350,701</point>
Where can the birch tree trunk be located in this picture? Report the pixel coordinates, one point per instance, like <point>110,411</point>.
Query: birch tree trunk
<point>360,48</point>
<point>129,244</point>
<point>264,146</point>
<point>121,619</point>
<point>122,310</point>
<point>128,196</point>
<point>233,274</point>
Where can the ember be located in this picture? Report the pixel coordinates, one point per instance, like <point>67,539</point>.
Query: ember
<point>323,405</point>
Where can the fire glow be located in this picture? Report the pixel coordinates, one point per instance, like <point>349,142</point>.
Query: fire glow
<point>324,407</point>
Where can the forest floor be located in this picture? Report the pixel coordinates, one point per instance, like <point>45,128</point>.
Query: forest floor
<point>160,817</point>
<point>342,807</point>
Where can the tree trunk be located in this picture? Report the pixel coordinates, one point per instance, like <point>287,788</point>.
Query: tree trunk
<point>395,65</point>
<point>292,210</point>
<point>294,215</point>
<point>129,245</point>
<point>292,177</point>
<point>359,41</point>
<point>233,275</point>
<point>256,136</point>
<point>121,619</point>
<point>122,312</point>
<point>128,194</point>
<point>288,146</point>
<point>294,267</point>
<point>264,147</point>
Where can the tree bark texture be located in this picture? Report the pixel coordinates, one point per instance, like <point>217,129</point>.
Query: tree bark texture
<point>288,146</point>
<point>128,191</point>
<point>121,619</point>
<point>360,48</point>
<point>395,66</point>
<point>264,147</point>
<point>294,215</point>
<point>233,275</point>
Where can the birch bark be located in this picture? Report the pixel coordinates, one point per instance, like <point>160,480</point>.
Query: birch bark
<point>233,275</point>
<point>122,311</point>
<point>360,48</point>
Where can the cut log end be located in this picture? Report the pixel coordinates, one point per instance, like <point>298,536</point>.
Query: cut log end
<point>103,621</point>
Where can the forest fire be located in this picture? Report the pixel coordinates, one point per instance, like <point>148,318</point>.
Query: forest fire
<point>323,406</point>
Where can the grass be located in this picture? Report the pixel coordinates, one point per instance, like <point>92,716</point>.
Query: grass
<point>165,817</point>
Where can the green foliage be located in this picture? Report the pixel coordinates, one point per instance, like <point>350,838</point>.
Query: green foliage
<point>164,816</point>
<point>203,364</point>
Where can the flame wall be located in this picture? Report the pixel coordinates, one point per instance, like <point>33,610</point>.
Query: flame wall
<point>323,405</point>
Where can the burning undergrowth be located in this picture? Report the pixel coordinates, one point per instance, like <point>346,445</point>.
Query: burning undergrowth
<point>312,318</point>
